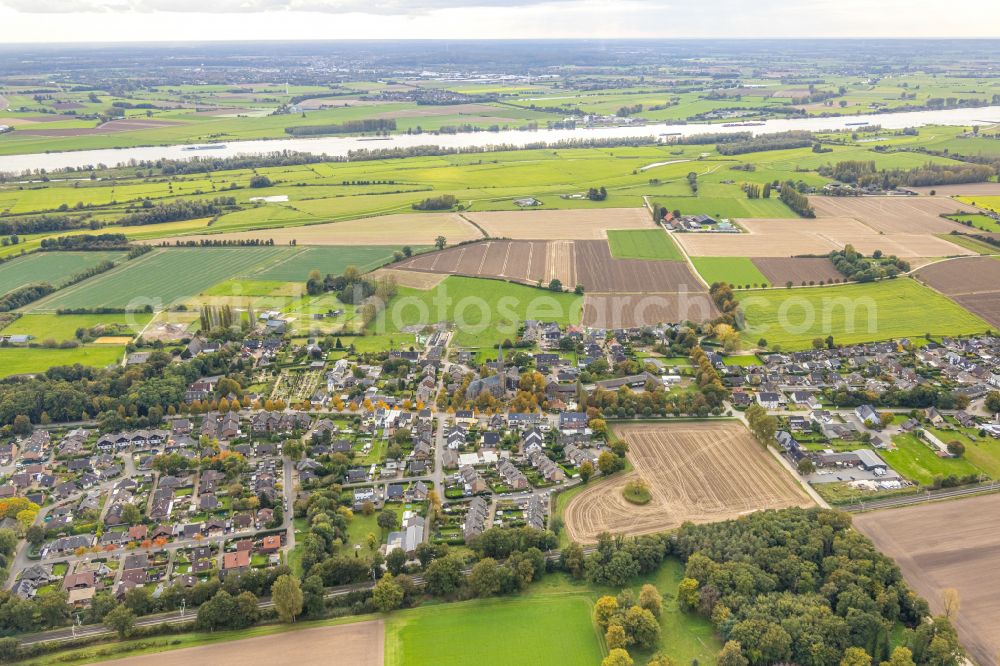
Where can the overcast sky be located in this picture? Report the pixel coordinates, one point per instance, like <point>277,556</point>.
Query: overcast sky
<point>141,20</point>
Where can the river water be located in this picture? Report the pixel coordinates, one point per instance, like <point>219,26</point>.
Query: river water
<point>340,146</point>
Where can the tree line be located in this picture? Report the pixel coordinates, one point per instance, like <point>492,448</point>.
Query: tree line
<point>177,210</point>
<point>346,127</point>
<point>782,141</point>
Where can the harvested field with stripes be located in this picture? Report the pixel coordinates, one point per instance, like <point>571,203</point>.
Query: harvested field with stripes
<point>798,270</point>
<point>790,238</point>
<point>560,224</point>
<point>967,189</point>
<point>891,215</point>
<point>973,283</point>
<point>586,262</point>
<point>696,471</point>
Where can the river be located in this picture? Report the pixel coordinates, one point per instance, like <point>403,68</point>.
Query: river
<point>340,146</point>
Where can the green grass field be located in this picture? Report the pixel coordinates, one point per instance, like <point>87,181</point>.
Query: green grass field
<point>736,271</point>
<point>489,311</point>
<point>643,244</point>
<point>52,267</point>
<point>528,631</point>
<point>327,260</point>
<point>918,462</point>
<point>16,361</point>
<point>726,207</point>
<point>64,327</point>
<point>889,309</point>
<point>162,277</point>
<point>970,243</point>
<point>981,222</point>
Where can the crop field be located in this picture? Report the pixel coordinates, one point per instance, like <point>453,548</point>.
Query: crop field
<point>534,631</point>
<point>789,238</point>
<point>989,202</point>
<point>560,224</point>
<point>736,271</point>
<point>63,327</point>
<point>405,229</point>
<point>889,309</point>
<point>18,361</point>
<point>52,267</point>
<point>978,221</point>
<point>893,215</point>
<point>646,309</point>
<point>973,283</point>
<point>797,270</point>
<point>160,277</point>
<point>521,261</point>
<point>696,471</point>
<point>644,244</point>
<point>941,545</point>
<point>598,271</point>
<point>486,312</point>
<point>327,260</point>
<point>357,644</point>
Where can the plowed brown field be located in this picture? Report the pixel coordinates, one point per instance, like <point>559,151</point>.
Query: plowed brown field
<point>952,544</point>
<point>973,283</point>
<point>797,270</point>
<point>696,471</point>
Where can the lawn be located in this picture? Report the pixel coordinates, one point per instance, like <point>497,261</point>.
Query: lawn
<point>63,327</point>
<point>17,360</point>
<point>915,460</point>
<point>889,309</point>
<point>735,271</point>
<point>526,631</point>
<point>52,267</point>
<point>486,312</point>
<point>161,278</point>
<point>643,244</point>
<point>984,453</point>
<point>360,527</point>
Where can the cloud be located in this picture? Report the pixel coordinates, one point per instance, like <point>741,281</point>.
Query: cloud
<point>383,7</point>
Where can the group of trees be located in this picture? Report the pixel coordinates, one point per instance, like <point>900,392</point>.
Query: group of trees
<point>346,127</point>
<point>628,621</point>
<point>782,141</point>
<point>118,397</point>
<point>865,174</point>
<point>763,426</point>
<point>708,379</point>
<point>857,267</point>
<point>722,296</point>
<point>597,193</point>
<point>150,213</point>
<point>86,242</point>
<point>795,200</point>
<point>442,202</point>
<point>21,297</point>
<point>40,223</point>
<point>801,586</point>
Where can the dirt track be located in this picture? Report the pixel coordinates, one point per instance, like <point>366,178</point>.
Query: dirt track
<point>697,471</point>
<point>951,544</point>
<point>358,644</point>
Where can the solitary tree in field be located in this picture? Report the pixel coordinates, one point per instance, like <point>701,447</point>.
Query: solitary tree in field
<point>951,602</point>
<point>440,242</point>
